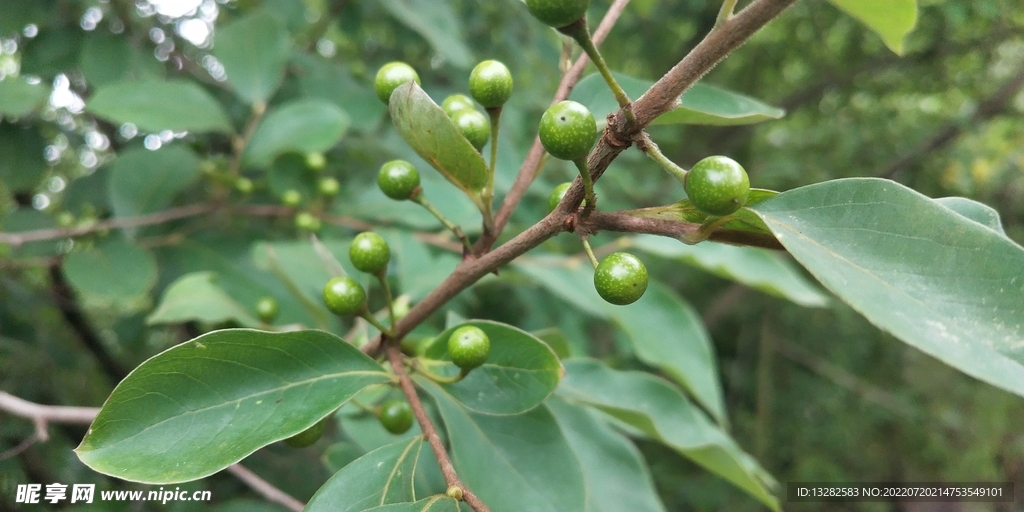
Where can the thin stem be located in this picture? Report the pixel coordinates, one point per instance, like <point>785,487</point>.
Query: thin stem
<point>585,240</point>
<point>495,115</point>
<point>373,411</point>
<point>314,309</point>
<point>430,431</point>
<point>588,184</point>
<point>421,200</point>
<point>366,315</point>
<point>265,488</point>
<point>382,276</point>
<point>581,34</point>
<point>428,373</point>
<point>725,13</point>
<point>652,150</point>
<point>239,143</point>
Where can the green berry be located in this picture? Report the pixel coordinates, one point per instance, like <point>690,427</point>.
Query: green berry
<point>328,187</point>
<point>398,179</point>
<point>557,194</point>
<point>567,130</point>
<point>474,126</point>
<point>65,219</point>
<point>306,221</point>
<point>620,278</point>
<point>557,13</point>
<point>244,185</point>
<point>490,84</point>
<point>291,198</point>
<point>396,416</point>
<point>344,296</point>
<point>315,161</point>
<point>267,309</point>
<point>307,437</point>
<point>369,253</point>
<point>468,346</point>
<point>456,103</point>
<point>390,76</point>
<point>717,185</point>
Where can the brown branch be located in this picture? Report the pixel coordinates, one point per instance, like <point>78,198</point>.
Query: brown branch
<point>451,478</point>
<point>623,222</point>
<point>43,415</point>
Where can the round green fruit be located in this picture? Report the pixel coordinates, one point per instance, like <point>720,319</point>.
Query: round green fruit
<point>717,185</point>
<point>620,278</point>
<point>244,185</point>
<point>490,84</point>
<point>557,194</point>
<point>267,309</point>
<point>396,416</point>
<point>306,221</point>
<point>567,130</point>
<point>369,253</point>
<point>398,179</point>
<point>557,13</point>
<point>307,437</point>
<point>291,198</point>
<point>474,126</point>
<point>344,296</point>
<point>316,161</point>
<point>390,76</point>
<point>469,346</point>
<point>456,103</point>
<point>328,187</point>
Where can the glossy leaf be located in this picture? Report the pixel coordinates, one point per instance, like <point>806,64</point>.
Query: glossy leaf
<point>937,280</point>
<point>305,126</point>
<point>978,212</point>
<point>700,104</point>
<point>742,219</point>
<point>890,19</point>
<point>512,463</point>
<point>655,408</point>
<point>19,98</point>
<point>520,372</point>
<point>438,23</point>
<point>759,269</point>
<point>143,181</point>
<point>615,472</point>
<point>22,166</point>
<point>429,131</point>
<point>157,105</point>
<point>100,272</point>
<point>254,51</point>
<point>431,504</point>
<point>196,297</point>
<point>201,406</point>
<point>381,477</point>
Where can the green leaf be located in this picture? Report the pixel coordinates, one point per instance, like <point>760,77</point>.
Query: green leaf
<point>143,181</point>
<point>22,165</point>
<point>321,78</point>
<point>16,14</point>
<point>759,269</point>
<point>52,52</point>
<point>381,477</point>
<point>429,131</point>
<point>512,463</point>
<point>981,213</point>
<point>100,272</point>
<point>195,297</point>
<point>438,23</point>
<point>520,372</point>
<point>651,405</point>
<point>890,19</point>
<point>19,98</point>
<point>339,455</point>
<point>700,104</point>
<point>945,284</point>
<point>556,339</point>
<point>109,58</point>
<point>431,504</point>
<point>616,475</point>
<point>254,51</point>
<point>419,270</point>
<point>154,106</point>
<point>305,126</point>
<point>743,219</point>
<point>201,406</point>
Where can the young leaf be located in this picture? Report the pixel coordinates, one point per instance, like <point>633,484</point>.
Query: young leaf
<point>513,463</point>
<point>890,19</point>
<point>201,406</point>
<point>429,131</point>
<point>661,412</point>
<point>380,477</point>
<point>195,297</point>
<point>941,282</point>
<point>305,126</point>
<point>520,372</point>
<point>99,272</point>
<point>254,51</point>
<point>431,504</point>
<point>700,104</point>
<point>143,181</point>
<point>157,105</point>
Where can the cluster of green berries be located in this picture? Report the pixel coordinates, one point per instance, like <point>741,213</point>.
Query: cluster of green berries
<point>369,253</point>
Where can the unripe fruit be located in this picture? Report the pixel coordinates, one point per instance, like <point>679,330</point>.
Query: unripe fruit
<point>557,13</point>
<point>717,185</point>
<point>328,187</point>
<point>369,253</point>
<point>65,219</point>
<point>474,126</point>
<point>620,278</point>
<point>316,161</point>
<point>291,198</point>
<point>490,84</point>
<point>396,416</point>
<point>307,437</point>
<point>306,221</point>
<point>390,76</point>
<point>398,179</point>
<point>567,130</point>
<point>557,194</point>
<point>456,103</point>
<point>244,185</point>
<point>469,346</point>
<point>344,296</point>
<point>267,309</point>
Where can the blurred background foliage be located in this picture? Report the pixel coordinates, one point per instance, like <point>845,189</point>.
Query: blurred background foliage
<point>814,393</point>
